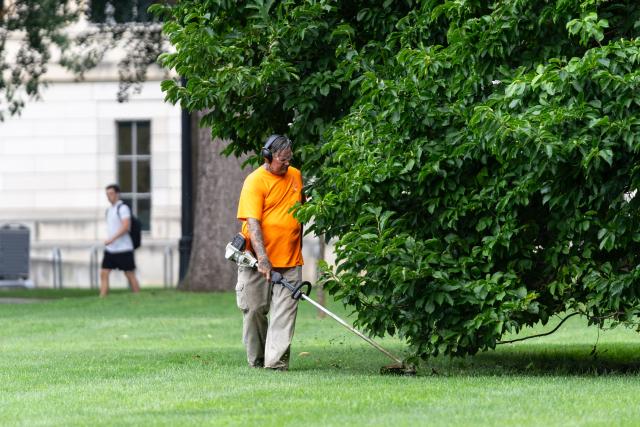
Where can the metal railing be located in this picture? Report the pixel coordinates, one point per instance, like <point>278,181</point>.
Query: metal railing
<point>168,267</point>
<point>56,266</point>
<point>93,267</point>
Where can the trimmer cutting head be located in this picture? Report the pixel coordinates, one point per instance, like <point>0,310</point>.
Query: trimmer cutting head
<point>399,369</point>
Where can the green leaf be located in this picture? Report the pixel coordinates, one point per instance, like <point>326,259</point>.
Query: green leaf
<point>607,155</point>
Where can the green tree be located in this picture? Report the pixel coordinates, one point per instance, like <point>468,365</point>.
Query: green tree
<point>41,29</point>
<point>477,161</point>
<point>33,32</point>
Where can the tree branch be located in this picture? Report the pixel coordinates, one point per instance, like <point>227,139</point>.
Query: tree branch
<point>540,335</point>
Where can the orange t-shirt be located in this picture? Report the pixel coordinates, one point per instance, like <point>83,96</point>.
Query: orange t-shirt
<point>269,198</point>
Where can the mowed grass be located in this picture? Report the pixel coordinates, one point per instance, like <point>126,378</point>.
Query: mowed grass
<point>172,358</point>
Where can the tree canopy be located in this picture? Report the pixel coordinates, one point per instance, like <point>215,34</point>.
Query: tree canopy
<point>477,162</point>
<point>34,33</point>
<point>41,26</point>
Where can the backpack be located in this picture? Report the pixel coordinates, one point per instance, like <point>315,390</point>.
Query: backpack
<point>135,227</point>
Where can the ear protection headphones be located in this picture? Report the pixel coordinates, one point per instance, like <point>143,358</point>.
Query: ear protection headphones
<point>266,150</point>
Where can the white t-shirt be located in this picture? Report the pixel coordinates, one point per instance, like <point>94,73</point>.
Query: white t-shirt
<point>115,214</point>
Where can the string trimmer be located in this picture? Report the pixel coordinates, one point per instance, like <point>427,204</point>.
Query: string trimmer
<point>235,251</point>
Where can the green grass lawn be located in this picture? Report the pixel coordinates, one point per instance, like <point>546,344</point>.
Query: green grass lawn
<point>170,358</point>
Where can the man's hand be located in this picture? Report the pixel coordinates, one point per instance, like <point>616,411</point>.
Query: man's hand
<point>264,267</point>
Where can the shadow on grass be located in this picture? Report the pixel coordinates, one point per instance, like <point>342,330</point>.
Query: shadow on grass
<point>541,360</point>
<point>331,361</point>
<point>54,294</point>
<point>548,359</point>
<point>51,293</point>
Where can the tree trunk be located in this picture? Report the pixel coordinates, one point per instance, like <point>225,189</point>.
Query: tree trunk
<point>218,181</point>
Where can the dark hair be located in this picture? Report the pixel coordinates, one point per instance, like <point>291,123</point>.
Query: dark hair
<point>115,187</point>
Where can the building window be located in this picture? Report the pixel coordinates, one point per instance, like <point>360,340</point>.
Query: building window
<point>134,167</point>
<point>120,11</point>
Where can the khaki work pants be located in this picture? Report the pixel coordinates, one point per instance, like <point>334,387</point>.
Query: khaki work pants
<point>267,340</point>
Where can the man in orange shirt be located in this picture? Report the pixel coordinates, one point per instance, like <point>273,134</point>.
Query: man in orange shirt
<point>275,237</point>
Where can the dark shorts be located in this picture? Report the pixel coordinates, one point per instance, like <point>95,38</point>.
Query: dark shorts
<point>118,261</point>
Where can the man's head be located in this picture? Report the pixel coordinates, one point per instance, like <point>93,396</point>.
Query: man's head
<point>277,154</point>
<point>113,193</point>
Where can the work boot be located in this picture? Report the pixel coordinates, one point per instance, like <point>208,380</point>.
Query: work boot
<point>258,363</point>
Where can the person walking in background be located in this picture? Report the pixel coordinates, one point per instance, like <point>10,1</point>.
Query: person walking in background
<point>275,237</point>
<point>118,250</point>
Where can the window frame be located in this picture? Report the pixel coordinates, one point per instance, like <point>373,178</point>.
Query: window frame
<point>134,196</point>
<point>136,11</point>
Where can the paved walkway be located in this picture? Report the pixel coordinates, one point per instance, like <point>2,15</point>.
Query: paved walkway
<point>21,300</point>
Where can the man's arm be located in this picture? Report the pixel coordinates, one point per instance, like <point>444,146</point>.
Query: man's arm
<point>124,228</point>
<point>257,243</point>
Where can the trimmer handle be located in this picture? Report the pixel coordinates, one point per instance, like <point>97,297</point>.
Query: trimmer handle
<point>296,291</point>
